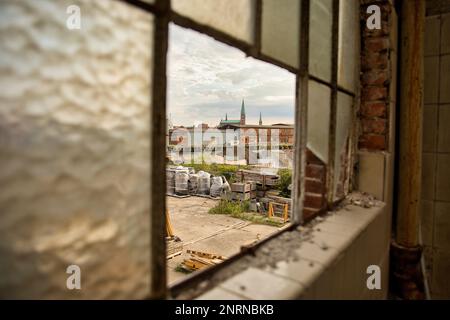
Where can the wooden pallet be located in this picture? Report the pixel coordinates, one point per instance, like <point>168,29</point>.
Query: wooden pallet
<point>174,248</point>
<point>199,260</point>
<point>260,178</point>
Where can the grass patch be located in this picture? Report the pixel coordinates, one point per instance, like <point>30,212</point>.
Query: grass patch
<point>230,207</point>
<point>258,219</point>
<point>240,210</point>
<point>179,268</point>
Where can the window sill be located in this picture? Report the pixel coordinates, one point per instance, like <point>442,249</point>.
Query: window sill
<point>327,261</point>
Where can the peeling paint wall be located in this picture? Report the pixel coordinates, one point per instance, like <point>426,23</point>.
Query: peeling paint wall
<point>74,141</point>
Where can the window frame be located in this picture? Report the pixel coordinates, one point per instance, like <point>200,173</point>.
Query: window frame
<point>163,15</point>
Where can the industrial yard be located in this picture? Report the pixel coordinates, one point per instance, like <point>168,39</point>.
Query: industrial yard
<point>213,233</point>
<point>210,218</point>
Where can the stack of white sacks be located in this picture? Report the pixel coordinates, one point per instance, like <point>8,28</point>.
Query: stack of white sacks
<point>184,181</point>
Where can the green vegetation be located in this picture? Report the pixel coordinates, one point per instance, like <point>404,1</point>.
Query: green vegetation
<point>285,181</point>
<point>239,210</point>
<point>179,268</point>
<point>258,218</point>
<point>230,207</point>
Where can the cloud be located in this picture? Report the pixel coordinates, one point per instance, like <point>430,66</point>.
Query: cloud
<point>207,79</point>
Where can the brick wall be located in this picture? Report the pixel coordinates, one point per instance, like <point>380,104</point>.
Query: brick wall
<point>315,182</point>
<point>377,99</point>
<point>375,78</point>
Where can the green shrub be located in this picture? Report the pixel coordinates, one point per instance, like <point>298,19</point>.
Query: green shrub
<point>285,181</point>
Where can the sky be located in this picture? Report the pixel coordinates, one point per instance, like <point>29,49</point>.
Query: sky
<point>207,79</point>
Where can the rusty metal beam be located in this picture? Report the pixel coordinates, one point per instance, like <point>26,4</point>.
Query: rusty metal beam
<point>411,102</point>
<point>406,276</point>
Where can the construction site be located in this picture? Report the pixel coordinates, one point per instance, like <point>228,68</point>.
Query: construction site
<point>210,219</point>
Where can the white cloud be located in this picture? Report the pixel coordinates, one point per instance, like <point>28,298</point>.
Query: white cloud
<point>207,79</point>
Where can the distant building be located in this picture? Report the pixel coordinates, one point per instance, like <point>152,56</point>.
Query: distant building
<point>240,121</point>
<point>250,133</point>
<point>244,134</point>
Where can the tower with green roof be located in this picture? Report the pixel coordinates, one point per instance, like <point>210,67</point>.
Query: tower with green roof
<point>242,113</point>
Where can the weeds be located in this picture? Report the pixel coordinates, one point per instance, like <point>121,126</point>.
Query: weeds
<point>240,210</point>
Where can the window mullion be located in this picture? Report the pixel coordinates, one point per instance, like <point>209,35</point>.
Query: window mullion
<point>333,104</point>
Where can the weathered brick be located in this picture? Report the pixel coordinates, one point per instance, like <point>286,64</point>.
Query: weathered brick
<point>309,213</point>
<point>375,60</point>
<point>314,186</point>
<point>311,158</point>
<point>374,109</point>
<point>315,171</point>
<point>372,142</point>
<point>375,77</point>
<point>377,126</point>
<point>374,93</point>
<point>313,200</point>
<point>377,44</point>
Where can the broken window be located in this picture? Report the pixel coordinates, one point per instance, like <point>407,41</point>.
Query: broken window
<point>229,179</point>
<point>316,41</point>
<point>100,130</point>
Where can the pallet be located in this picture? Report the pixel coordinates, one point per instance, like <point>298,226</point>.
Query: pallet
<point>199,260</point>
<point>177,195</point>
<point>173,255</point>
<point>260,178</point>
<point>174,248</point>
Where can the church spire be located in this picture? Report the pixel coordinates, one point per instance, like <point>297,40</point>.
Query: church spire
<point>226,116</point>
<point>260,119</point>
<point>243,112</point>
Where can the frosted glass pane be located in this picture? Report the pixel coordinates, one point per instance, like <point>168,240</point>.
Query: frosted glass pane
<point>74,118</point>
<point>344,116</point>
<point>320,35</point>
<point>348,47</point>
<point>318,119</point>
<point>234,17</point>
<point>280,30</point>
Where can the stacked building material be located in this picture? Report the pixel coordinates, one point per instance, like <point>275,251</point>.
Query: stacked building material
<point>216,186</point>
<point>204,182</point>
<point>243,191</point>
<point>181,182</point>
<point>264,179</point>
<point>199,260</point>
<point>174,247</point>
<point>193,183</point>
<point>170,181</point>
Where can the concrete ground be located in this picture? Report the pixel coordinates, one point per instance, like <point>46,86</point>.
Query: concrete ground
<point>212,233</point>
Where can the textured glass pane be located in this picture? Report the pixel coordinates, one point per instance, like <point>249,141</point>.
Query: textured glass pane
<point>280,30</point>
<point>344,116</point>
<point>318,119</point>
<point>320,34</point>
<point>74,121</point>
<point>348,48</point>
<point>234,17</point>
